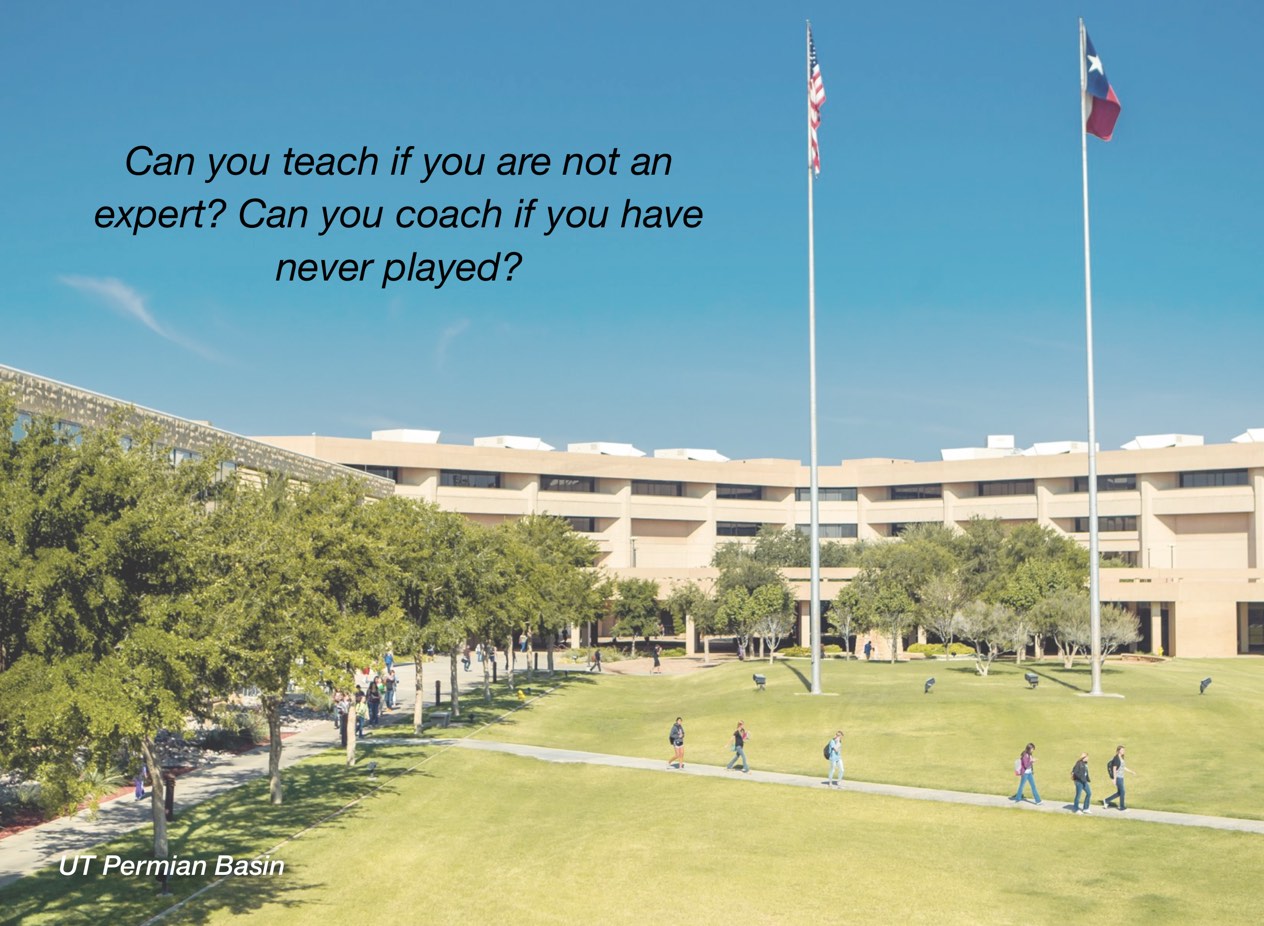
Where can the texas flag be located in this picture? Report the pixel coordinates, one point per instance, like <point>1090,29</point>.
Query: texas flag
<point>1103,105</point>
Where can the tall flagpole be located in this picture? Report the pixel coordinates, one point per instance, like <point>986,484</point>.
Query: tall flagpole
<point>814,583</point>
<point>1094,589</point>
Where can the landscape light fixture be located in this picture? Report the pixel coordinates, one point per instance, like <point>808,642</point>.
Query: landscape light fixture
<point>1202,686</point>
<point>930,683</point>
<point>372,771</point>
<point>1032,678</point>
<point>760,680</point>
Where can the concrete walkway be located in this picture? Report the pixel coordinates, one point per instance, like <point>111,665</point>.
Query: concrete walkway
<point>548,754</point>
<point>43,845</point>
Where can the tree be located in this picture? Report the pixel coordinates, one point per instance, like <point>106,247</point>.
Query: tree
<point>1120,628</point>
<point>769,614</point>
<point>733,616</point>
<point>690,601</point>
<point>942,597</point>
<point>636,608</point>
<point>987,626</point>
<point>1064,616</point>
<point>843,614</point>
<point>98,540</point>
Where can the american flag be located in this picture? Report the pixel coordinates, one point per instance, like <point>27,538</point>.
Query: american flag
<point>816,97</point>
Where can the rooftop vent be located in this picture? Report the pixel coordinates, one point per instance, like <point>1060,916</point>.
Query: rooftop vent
<point>512,442</point>
<point>1159,441</point>
<point>1055,447</point>
<point>691,453</point>
<point>607,448</point>
<point>407,436</point>
<point>1249,436</point>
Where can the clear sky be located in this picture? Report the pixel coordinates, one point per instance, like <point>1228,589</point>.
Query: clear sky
<point>950,291</point>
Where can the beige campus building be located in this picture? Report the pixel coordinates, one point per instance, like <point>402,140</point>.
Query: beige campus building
<point>1184,519</point>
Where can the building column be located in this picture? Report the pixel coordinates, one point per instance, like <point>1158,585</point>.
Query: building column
<point>1156,627</point>
<point>805,624</point>
<point>1255,536</point>
<point>576,636</point>
<point>691,637</point>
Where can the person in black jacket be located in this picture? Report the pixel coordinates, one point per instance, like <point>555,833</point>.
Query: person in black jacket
<point>739,747</point>
<point>1080,775</point>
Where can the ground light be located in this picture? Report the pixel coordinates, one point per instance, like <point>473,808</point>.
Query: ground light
<point>1204,684</point>
<point>1031,678</point>
<point>930,683</point>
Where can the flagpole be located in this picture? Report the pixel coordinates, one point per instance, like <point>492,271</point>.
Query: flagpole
<point>1094,588</point>
<point>814,582</point>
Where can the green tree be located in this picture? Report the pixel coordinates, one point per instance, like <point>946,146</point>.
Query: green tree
<point>769,612</point>
<point>636,609</point>
<point>690,601</point>
<point>98,535</point>
<point>843,614</point>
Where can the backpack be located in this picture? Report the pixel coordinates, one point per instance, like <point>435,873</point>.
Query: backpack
<point>827,749</point>
<point>1112,767</point>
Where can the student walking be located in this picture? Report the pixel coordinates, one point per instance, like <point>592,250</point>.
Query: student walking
<point>1025,768</point>
<point>1079,775</point>
<point>1116,769</point>
<point>739,747</point>
<point>677,739</point>
<point>834,752</point>
<point>658,666</point>
<point>595,664</point>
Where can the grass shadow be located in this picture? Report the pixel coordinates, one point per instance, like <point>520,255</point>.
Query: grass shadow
<point>803,679</point>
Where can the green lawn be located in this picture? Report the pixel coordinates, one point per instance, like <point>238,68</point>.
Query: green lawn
<point>494,838</point>
<point>463,835</point>
<point>1194,753</point>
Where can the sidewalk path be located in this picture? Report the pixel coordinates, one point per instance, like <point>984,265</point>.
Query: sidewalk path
<point>43,845</point>
<point>548,754</point>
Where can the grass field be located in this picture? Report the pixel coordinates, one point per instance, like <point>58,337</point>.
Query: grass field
<point>455,835</point>
<point>1194,753</point>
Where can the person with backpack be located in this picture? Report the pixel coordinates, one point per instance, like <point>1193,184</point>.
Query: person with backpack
<point>834,753</point>
<point>739,747</point>
<point>1079,774</point>
<point>1025,769</point>
<point>677,738</point>
<point>1116,769</point>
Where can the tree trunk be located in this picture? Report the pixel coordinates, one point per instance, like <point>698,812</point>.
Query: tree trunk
<point>351,734</point>
<point>529,653</point>
<point>157,798</point>
<point>272,710</point>
<point>455,696</point>
<point>706,649</point>
<point>511,660</point>
<point>419,695</point>
<point>550,655</point>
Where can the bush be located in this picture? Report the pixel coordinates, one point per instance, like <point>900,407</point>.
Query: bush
<point>235,728</point>
<point>320,701</point>
<point>937,649</point>
<point>794,651</point>
<point>674,651</point>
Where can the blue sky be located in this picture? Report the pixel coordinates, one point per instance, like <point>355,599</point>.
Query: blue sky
<point>949,249</point>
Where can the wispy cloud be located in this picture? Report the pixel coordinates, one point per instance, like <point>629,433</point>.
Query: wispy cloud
<point>450,334</point>
<point>124,300</point>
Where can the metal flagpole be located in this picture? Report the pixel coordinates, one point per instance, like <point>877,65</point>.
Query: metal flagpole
<point>814,584</point>
<point>1094,591</point>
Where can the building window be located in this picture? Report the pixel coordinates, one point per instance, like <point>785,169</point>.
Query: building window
<point>1210,478</point>
<point>737,528</point>
<point>582,525</point>
<point>1122,557</point>
<point>657,487</point>
<point>469,480</point>
<point>825,494</point>
<point>901,493</point>
<point>179,455</point>
<point>1254,627</point>
<point>21,426</point>
<point>740,493</point>
<point>386,472</point>
<point>1107,483</point>
<point>1127,522</point>
<point>898,528</point>
<point>568,484</point>
<point>829,531</point>
<point>1008,487</point>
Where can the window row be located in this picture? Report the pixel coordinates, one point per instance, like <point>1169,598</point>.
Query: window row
<point>1126,522</point>
<point>829,531</point>
<point>825,494</point>
<point>1107,483</point>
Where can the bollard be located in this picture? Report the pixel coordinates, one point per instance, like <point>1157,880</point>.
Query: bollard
<point>537,662</point>
<point>436,694</point>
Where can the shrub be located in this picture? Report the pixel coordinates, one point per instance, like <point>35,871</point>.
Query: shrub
<point>674,651</point>
<point>794,651</point>
<point>937,649</point>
